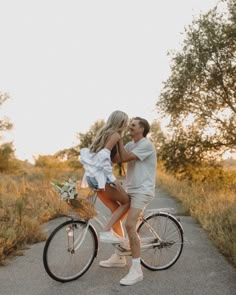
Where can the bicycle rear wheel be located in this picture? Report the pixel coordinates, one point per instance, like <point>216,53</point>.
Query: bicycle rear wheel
<point>70,250</point>
<point>160,253</point>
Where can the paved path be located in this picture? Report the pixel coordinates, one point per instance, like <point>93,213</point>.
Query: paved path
<point>200,270</point>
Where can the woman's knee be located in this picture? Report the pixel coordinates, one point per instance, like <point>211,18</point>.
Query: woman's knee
<point>125,202</point>
<point>126,206</point>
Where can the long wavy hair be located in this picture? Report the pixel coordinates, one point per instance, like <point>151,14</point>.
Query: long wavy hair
<point>116,122</point>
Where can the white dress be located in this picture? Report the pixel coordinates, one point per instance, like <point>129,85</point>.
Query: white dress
<point>97,165</point>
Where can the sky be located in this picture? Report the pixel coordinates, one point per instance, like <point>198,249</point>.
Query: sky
<point>68,63</point>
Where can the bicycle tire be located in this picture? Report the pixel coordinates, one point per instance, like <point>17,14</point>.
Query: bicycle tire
<point>160,255</point>
<point>62,261</point>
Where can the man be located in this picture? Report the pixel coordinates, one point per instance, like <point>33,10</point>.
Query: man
<point>140,154</point>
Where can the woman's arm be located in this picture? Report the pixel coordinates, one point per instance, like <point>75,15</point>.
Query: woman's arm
<point>124,155</point>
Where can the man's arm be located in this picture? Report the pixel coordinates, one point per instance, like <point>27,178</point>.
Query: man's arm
<point>125,156</point>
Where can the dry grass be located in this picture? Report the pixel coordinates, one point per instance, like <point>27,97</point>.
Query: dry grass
<point>25,203</point>
<point>212,204</point>
<point>28,201</point>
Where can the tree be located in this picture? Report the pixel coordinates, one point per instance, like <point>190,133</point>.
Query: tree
<point>70,156</point>
<point>187,151</point>
<point>157,135</point>
<point>4,123</point>
<point>87,138</point>
<point>202,85</point>
<point>7,156</point>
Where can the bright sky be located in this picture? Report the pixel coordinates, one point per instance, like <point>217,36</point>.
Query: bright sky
<point>67,64</point>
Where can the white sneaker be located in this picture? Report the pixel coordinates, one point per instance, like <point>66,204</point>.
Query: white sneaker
<point>108,237</point>
<point>114,261</point>
<point>135,275</point>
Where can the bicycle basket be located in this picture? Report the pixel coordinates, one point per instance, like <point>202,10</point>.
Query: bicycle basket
<point>84,206</point>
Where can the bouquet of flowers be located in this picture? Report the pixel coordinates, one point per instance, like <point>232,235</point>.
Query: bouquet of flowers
<point>67,191</point>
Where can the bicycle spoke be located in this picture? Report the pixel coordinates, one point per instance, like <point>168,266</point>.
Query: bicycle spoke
<point>70,251</point>
<point>163,252</point>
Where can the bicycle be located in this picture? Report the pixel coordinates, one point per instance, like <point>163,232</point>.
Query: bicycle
<point>73,245</point>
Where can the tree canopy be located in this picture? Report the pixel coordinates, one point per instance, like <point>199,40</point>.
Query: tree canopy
<point>7,155</point>
<point>202,86</point>
<point>5,124</point>
<point>87,138</point>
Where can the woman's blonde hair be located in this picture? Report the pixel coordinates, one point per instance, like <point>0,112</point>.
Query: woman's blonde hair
<point>116,122</point>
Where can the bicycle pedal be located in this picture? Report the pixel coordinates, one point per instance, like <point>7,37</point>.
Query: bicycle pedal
<point>123,251</point>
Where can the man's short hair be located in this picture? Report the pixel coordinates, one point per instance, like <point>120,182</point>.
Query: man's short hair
<point>143,123</point>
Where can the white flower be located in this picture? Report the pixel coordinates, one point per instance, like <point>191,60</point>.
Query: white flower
<point>66,190</point>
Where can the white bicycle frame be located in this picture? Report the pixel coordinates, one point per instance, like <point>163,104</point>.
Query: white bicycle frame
<point>144,243</point>
<point>68,191</point>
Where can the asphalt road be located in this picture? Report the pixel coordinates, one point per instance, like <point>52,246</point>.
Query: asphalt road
<point>200,270</point>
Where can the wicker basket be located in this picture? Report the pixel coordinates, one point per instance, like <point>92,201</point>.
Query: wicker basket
<point>84,207</point>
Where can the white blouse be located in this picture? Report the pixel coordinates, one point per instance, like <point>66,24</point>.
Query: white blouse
<point>97,165</point>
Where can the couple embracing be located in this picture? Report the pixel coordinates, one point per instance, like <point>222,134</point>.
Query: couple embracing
<point>140,156</point>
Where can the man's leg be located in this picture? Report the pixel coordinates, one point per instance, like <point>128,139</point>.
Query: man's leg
<point>135,273</point>
<point>130,225</point>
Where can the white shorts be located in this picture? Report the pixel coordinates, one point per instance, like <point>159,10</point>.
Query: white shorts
<point>139,201</point>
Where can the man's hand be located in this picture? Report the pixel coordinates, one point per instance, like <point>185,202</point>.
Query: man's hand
<point>116,185</point>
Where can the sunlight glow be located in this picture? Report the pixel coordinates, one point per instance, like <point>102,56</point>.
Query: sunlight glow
<point>67,64</point>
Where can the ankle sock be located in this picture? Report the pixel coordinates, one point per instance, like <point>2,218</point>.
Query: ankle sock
<point>135,261</point>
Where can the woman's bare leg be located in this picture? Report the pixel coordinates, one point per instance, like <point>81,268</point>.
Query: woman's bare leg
<point>117,215</point>
<point>112,205</point>
<point>117,194</point>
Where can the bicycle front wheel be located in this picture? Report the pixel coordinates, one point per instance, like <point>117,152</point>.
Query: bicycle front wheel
<point>162,241</point>
<point>70,250</point>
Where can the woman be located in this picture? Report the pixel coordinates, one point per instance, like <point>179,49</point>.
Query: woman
<point>97,163</point>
